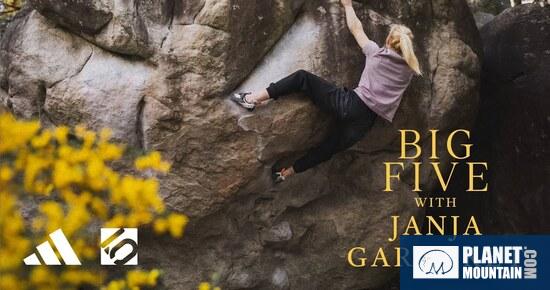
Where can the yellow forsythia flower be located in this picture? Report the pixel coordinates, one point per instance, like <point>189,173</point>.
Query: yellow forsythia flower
<point>105,134</point>
<point>5,174</point>
<point>13,134</point>
<point>176,224</point>
<point>152,161</point>
<point>117,221</point>
<point>61,134</point>
<point>99,207</point>
<point>153,277</point>
<point>160,226</point>
<point>41,140</point>
<point>139,278</point>
<point>54,214</point>
<point>79,277</point>
<point>10,282</point>
<point>110,151</point>
<point>42,278</point>
<point>115,285</point>
<point>204,286</point>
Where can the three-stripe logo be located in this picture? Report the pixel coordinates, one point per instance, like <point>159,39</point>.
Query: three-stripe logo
<point>48,255</point>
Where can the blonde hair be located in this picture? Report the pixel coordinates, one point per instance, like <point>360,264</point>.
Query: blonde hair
<point>400,38</point>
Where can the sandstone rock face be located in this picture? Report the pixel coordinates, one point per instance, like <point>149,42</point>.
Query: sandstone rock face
<point>514,120</point>
<point>160,73</point>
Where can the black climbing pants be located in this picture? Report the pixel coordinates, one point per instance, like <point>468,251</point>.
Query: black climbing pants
<point>353,117</point>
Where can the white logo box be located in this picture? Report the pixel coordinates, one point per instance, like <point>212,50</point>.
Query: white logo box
<point>436,262</point>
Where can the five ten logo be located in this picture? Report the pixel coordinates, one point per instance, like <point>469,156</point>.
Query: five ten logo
<point>435,262</point>
<point>47,253</point>
<point>119,246</point>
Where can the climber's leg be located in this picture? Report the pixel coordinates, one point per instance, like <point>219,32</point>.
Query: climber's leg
<point>300,81</point>
<point>355,121</point>
<point>323,93</point>
<point>321,152</point>
<point>343,137</point>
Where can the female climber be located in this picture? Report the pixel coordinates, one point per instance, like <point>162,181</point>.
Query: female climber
<point>387,73</point>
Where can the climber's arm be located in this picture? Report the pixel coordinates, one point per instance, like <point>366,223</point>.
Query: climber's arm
<point>354,24</point>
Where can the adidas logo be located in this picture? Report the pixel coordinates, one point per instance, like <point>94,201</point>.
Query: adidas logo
<point>47,253</point>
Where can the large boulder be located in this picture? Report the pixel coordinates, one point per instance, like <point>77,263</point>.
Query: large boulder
<point>163,83</point>
<point>79,16</point>
<point>485,10</point>
<point>493,7</point>
<point>36,56</point>
<point>513,124</point>
<point>113,25</point>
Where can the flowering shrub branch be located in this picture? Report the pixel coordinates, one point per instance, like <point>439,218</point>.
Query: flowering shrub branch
<point>69,174</point>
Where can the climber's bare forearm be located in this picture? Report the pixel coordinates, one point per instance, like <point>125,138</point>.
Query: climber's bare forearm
<point>354,24</point>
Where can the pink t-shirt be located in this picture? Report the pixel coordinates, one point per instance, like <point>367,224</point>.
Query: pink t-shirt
<point>384,79</point>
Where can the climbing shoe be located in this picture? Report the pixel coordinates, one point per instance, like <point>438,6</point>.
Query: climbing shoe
<point>240,99</point>
<point>277,176</point>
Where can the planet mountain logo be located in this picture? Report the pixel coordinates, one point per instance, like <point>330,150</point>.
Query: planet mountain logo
<point>429,261</point>
<point>435,262</point>
<point>48,255</point>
